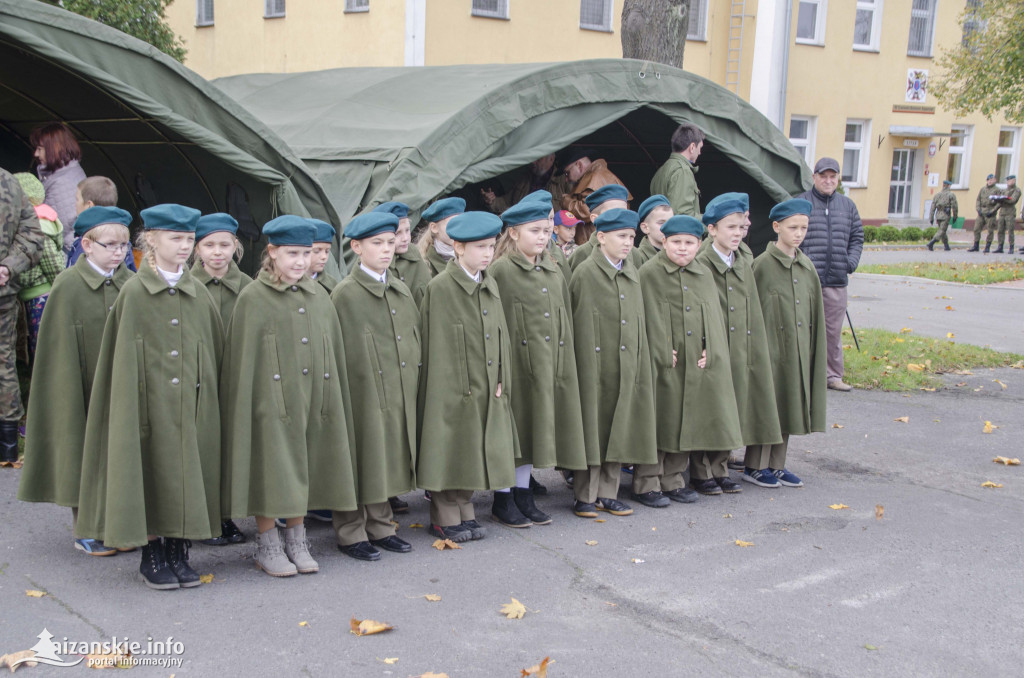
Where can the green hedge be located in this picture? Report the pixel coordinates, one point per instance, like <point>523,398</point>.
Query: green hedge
<point>887,233</point>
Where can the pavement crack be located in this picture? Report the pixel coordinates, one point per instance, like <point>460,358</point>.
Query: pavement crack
<point>67,608</point>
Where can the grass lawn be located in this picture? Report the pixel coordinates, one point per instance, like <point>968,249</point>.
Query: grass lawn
<point>895,361</point>
<point>956,271</point>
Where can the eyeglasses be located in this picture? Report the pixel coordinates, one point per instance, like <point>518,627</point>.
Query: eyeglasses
<point>114,247</point>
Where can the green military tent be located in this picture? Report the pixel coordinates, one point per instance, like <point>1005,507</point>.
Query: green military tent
<point>412,134</point>
<point>160,131</point>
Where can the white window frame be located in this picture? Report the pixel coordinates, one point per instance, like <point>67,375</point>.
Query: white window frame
<point>930,13</point>
<point>807,143</point>
<point>698,9</point>
<point>273,9</point>
<point>357,6</point>
<point>606,25</point>
<point>961,182</point>
<point>821,12</point>
<point>500,13</point>
<point>875,7</point>
<point>859,180</point>
<point>1013,150</point>
<point>201,7</point>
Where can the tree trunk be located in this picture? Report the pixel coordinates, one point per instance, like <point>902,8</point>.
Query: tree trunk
<point>655,30</point>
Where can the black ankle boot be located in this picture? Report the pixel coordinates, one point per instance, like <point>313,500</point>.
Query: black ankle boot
<point>999,250</point>
<point>931,245</point>
<point>974,248</point>
<point>506,512</point>
<point>155,571</point>
<point>9,441</point>
<point>987,248</point>
<point>523,497</point>
<point>176,552</point>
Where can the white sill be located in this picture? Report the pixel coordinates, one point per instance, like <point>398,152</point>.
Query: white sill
<point>865,48</point>
<point>813,43</point>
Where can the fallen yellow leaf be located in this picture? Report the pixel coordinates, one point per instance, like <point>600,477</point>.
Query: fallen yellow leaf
<point>206,578</point>
<point>12,660</point>
<point>838,426</point>
<point>1000,383</point>
<point>1006,461</point>
<point>988,427</point>
<point>879,511</point>
<point>367,627</point>
<point>906,330</point>
<point>915,367</point>
<point>744,544</point>
<point>433,597</point>
<point>539,670</point>
<point>600,520</point>
<point>904,420</point>
<point>31,593</point>
<point>838,507</point>
<point>989,483</point>
<point>949,335</point>
<point>590,542</point>
<point>415,525</point>
<point>431,674</point>
<point>513,610</point>
<point>303,623</point>
<point>442,544</point>
<point>950,308</point>
<point>637,560</point>
<point>727,515</point>
<point>929,390</point>
<point>389,660</point>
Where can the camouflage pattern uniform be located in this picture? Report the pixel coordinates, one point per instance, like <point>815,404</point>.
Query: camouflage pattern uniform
<point>945,208</point>
<point>1007,215</point>
<point>987,210</point>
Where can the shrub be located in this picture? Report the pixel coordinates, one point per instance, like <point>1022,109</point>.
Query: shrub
<point>870,233</point>
<point>888,234</point>
<point>911,234</point>
<point>929,232</point>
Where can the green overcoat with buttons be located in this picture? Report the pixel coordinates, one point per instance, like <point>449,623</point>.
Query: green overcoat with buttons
<point>546,400</point>
<point>69,337</point>
<point>748,345</point>
<point>436,264</point>
<point>223,290</point>
<point>380,323</point>
<point>326,281</point>
<point>794,317</point>
<point>410,269</point>
<point>643,253</point>
<point>285,404</point>
<point>582,253</point>
<point>614,363</point>
<point>467,434</point>
<point>151,463</point>
<point>561,261</point>
<point>696,407</point>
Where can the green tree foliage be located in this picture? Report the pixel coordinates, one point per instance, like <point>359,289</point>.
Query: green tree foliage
<point>986,72</point>
<point>143,19</point>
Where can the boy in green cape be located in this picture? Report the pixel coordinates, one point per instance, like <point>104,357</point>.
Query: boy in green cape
<point>608,197</point>
<point>653,212</point>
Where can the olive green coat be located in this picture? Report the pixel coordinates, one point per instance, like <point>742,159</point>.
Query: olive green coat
<point>614,363</point>
<point>748,346</point>
<point>152,439</point>
<point>410,269</point>
<point>467,435</point>
<point>436,264</point>
<point>224,290</point>
<point>382,355</point>
<point>582,253</point>
<point>285,404</point>
<point>561,261</point>
<point>790,295</point>
<point>327,282</point>
<point>643,252</point>
<point>696,407</point>
<point>546,401</point>
<point>70,335</point>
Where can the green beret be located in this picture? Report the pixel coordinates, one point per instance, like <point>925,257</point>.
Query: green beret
<point>289,229</point>
<point>399,209</point>
<point>473,226</point>
<point>370,224</point>
<point>647,206</point>
<point>32,187</point>
<point>616,220</point>
<point>537,196</point>
<point>788,208</point>
<point>444,208</point>
<point>606,193</point>
<point>1011,176</point>
<point>526,211</point>
<point>947,182</point>
<point>94,216</point>
<point>215,223</point>
<point>170,217</point>
<point>324,231</point>
<point>725,204</point>
<point>682,224</point>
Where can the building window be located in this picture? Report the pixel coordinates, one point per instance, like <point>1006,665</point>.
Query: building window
<point>958,167</point>
<point>596,15</point>
<point>491,9</point>
<point>855,153</point>
<point>698,28</point>
<point>801,135</point>
<point>1006,154</point>
<point>922,28</point>
<point>357,6</point>
<point>867,25</point>
<point>204,12</point>
<point>810,22</point>
<point>972,24</point>
<point>273,9</point>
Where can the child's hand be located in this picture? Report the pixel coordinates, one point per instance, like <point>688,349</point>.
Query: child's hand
<point>497,394</point>
<point>703,359</point>
<point>675,357</point>
<point>5,275</point>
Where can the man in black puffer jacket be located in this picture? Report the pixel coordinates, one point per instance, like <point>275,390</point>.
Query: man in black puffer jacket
<point>835,238</point>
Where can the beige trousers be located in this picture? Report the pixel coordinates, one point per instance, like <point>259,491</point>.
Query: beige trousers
<point>664,476</point>
<point>369,521</point>
<point>597,481</point>
<point>451,507</point>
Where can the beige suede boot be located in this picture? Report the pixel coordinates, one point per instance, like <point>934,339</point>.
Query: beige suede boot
<point>297,549</point>
<point>270,556</point>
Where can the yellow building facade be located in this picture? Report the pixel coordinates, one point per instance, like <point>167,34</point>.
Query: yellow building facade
<point>842,78</point>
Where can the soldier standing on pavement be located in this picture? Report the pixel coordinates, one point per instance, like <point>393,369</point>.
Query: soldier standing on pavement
<point>986,213</point>
<point>944,209</point>
<point>1007,213</point>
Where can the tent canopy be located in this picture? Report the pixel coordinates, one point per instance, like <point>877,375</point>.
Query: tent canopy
<point>412,134</point>
<point>161,132</point>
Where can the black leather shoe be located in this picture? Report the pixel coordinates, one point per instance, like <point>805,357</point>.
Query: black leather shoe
<point>683,495</point>
<point>653,499</point>
<point>584,509</point>
<point>361,550</point>
<point>536,487</point>
<point>614,507</point>
<point>505,511</point>
<point>176,553</point>
<point>215,541</point>
<point>393,544</point>
<point>728,485</point>
<point>231,532</point>
<point>709,486</point>
<point>736,463</point>
<point>398,505</point>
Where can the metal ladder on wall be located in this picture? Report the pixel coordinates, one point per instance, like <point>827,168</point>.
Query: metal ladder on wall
<point>735,52</point>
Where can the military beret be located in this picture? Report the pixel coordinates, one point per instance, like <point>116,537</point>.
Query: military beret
<point>1011,176</point>
<point>991,176</point>
<point>606,193</point>
<point>647,206</point>
<point>214,223</point>
<point>399,209</point>
<point>722,205</point>
<point>370,224</point>
<point>538,196</point>
<point>473,226</point>
<point>444,208</point>
<point>526,211</point>
<point>682,224</point>
<point>289,229</point>
<point>170,217</point>
<point>94,216</point>
<point>616,220</point>
<point>947,182</point>
<point>324,231</point>
<point>788,208</point>
<point>32,187</point>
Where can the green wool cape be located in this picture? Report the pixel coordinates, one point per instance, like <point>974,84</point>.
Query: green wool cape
<point>790,294</point>
<point>436,264</point>
<point>285,404</point>
<point>582,253</point>
<point>380,323</point>
<point>224,290</point>
<point>151,463</point>
<point>69,336</point>
<point>561,261</point>
<point>467,435</point>
<point>326,281</point>
<point>410,269</point>
<point>748,345</point>
<point>614,362</point>
<point>546,401</point>
<point>643,253</point>
<point>696,408</point>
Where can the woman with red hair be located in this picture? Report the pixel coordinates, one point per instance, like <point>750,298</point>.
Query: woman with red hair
<point>57,157</point>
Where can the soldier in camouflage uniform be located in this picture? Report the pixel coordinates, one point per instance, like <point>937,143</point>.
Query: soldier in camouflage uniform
<point>21,244</point>
<point>944,209</point>
<point>987,209</point>
<point>1007,213</point>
